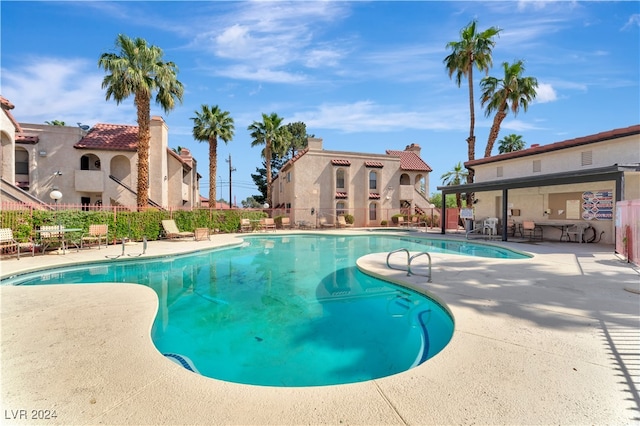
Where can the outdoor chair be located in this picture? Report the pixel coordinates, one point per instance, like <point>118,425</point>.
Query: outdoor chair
<point>342,222</point>
<point>171,230</point>
<point>95,234</point>
<point>416,222</point>
<point>268,223</point>
<point>490,226</point>
<point>531,231</point>
<point>51,234</point>
<point>285,223</point>
<point>324,224</point>
<point>245,225</point>
<point>577,232</point>
<point>8,244</point>
<point>402,222</point>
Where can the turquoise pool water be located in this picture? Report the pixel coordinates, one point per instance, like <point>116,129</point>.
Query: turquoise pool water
<point>285,310</point>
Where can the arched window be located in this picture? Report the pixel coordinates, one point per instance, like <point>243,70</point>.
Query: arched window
<point>405,179</point>
<point>340,179</point>
<point>373,180</point>
<point>373,210</point>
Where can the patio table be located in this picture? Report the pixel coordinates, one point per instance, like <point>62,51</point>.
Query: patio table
<point>50,234</point>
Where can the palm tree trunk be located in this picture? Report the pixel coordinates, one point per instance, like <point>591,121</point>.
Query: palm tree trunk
<point>267,157</point>
<point>143,105</point>
<point>471,141</point>
<point>213,171</point>
<point>495,129</point>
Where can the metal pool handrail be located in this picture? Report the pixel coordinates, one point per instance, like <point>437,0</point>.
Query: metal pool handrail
<point>409,260</point>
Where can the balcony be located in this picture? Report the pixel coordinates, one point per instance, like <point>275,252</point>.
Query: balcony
<point>89,180</point>
<point>406,192</point>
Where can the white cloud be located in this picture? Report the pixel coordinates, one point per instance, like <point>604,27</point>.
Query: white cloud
<point>367,116</point>
<point>545,93</point>
<point>634,21</point>
<point>69,90</point>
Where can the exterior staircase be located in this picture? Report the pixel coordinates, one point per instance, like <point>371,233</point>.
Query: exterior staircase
<point>10,193</point>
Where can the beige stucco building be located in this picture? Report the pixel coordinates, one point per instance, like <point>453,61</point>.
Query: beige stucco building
<point>574,180</point>
<point>318,183</point>
<point>92,166</point>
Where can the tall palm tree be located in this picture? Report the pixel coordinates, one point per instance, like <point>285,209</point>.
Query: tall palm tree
<point>457,176</point>
<point>510,143</point>
<point>512,92</point>
<point>473,49</point>
<point>139,70</point>
<point>209,124</point>
<point>271,134</point>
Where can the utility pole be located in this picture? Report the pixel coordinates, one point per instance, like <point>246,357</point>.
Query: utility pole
<point>231,169</point>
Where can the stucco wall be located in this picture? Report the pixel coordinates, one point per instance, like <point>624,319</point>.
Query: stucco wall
<point>606,153</point>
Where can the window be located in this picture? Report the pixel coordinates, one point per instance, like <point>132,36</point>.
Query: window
<point>340,208</point>
<point>537,166</point>
<point>586,158</point>
<point>373,211</point>
<point>499,171</point>
<point>22,162</point>
<point>340,179</point>
<point>288,176</point>
<point>373,180</point>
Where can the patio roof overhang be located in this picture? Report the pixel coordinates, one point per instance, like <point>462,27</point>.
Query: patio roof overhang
<point>614,172</point>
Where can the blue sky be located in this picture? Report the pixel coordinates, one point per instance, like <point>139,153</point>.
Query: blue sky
<point>363,76</point>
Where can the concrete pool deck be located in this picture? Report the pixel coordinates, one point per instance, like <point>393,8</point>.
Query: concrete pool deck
<point>554,339</point>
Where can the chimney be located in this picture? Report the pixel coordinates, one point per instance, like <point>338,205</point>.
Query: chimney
<point>186,156</point>
<point>414,147</point>
<point>314,144</point>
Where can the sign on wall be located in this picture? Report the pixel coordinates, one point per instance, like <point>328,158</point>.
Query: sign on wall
<point>597,205</point>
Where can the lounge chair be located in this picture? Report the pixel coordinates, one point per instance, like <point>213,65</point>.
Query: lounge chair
<point>245,225</point>
<point>416,222</point>
<point>324,224</point>
<point>342,222</point>
<point>96,234</point>
<point>268,223</point>
<point>531,231</point>
<point>402,222</point>
<point>171,230</point>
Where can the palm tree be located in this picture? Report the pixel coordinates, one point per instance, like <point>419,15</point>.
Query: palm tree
<point>210,124</point>
<point>139,70</point>
<point>510,143</point>
<point>512,92</point>
<point>271,134</point>
<point>457,176</point>
<point>473,49</point>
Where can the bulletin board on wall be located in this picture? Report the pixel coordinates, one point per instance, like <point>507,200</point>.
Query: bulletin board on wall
<point>586,205</point>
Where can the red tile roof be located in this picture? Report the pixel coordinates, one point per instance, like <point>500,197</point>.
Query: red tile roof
<point>375,164</point>
<point>341,195</point>
<point>6,106</point>
<point>337,162</point>
<point>294,159</point>
<point>374,196</point>
<point>538,149</point>
<point>111,137</point>
<point>409,160</point>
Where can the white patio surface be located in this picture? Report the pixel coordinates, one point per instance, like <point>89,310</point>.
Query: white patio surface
<point>554,339</point>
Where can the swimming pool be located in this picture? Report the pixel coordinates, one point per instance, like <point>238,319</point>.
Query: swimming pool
<point>284,310</point>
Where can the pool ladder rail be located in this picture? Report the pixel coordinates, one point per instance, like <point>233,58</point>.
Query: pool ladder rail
<point>409,260</point>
